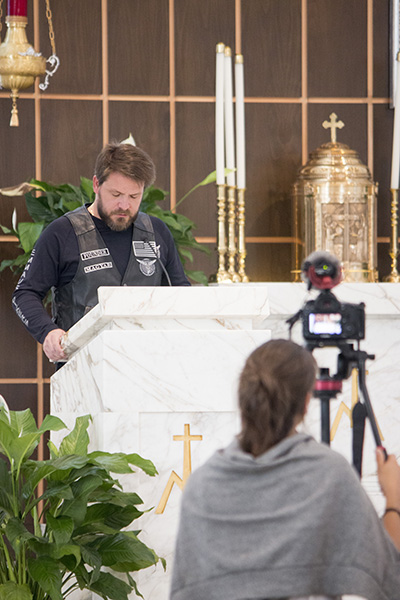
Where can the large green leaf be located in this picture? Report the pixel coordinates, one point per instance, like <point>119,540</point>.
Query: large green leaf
<point>110,587</point>
<point>78,440</point>
<point>16,532</point>
<point>51,423</point>
<point>15,591</point>
<point>123,552</point>
<point>46,572</point>
<point>28,234</point>
<point>22,421</point>
<point>61,527</point>
<point>143,463</point>
<point>112,515</point>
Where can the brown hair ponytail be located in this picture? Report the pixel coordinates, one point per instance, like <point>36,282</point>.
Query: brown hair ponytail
<point>273,388</point>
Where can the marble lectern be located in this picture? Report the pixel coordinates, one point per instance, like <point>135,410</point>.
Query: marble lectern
<point>157,369</point>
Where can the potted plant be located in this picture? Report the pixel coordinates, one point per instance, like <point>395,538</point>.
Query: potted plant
<point>63,520</point>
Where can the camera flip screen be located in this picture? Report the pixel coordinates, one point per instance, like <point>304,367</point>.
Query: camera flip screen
<point>325,323</point>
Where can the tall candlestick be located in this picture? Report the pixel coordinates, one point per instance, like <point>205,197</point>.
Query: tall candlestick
<point>240,136</point>
<point>229,129</point>
<point>219,115</point>
<point>17,8</point>
<point>394,181</point>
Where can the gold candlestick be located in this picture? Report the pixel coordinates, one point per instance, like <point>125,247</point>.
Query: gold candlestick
<point>394,248</point>
<point>222,276</point>
<point>241,236</point>
<point>232,234</point>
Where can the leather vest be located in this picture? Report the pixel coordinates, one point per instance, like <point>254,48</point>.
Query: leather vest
<point>96,267</point>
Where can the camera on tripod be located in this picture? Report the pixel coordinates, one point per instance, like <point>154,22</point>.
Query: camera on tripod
<point>328,322</point>
<point>325,319</point>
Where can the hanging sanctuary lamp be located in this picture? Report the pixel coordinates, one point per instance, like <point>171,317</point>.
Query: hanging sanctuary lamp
<point>19,63</point>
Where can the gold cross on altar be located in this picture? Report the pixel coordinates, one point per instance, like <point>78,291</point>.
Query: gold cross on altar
<point>333,124</point>
<point>174,478</point>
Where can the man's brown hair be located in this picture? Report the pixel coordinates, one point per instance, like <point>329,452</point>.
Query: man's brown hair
<point>273,388</point>
<point>127,160</point>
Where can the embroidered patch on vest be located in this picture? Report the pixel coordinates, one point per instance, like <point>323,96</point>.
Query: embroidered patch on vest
<point>145,249</point>
<point>95,253</point>
<point>98,267</point>
<point>147,266</point>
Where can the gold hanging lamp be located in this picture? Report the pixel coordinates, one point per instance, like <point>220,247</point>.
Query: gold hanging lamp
<point>19,63</point>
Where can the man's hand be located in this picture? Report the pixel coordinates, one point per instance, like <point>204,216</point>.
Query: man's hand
<point>52,345</point>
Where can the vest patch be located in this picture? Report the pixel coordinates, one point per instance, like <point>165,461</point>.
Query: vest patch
<point>145,249</point>
<point>98,267</point>
<point>147,266</point>
<point>95,253</point>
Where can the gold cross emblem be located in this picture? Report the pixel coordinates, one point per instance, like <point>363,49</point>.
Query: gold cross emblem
<point>186,438</point>
<point>333,124</point>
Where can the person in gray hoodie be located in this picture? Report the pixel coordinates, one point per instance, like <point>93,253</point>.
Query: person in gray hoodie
<point>277,514</point>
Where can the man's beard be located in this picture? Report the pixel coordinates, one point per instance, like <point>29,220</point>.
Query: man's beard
<point>118,224</point>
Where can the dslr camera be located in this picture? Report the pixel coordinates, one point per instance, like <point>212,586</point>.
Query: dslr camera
<point>325,320</point>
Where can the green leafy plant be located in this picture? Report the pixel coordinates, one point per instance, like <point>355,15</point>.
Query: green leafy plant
<point>46,202</point>
<point>63,520</point>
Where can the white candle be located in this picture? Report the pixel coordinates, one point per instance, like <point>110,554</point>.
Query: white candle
<point>240,139</point>
<point>229,130</point>
<point>394,181</point>
<point>219,116</point>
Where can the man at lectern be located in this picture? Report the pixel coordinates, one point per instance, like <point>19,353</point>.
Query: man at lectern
<point>107,243</point>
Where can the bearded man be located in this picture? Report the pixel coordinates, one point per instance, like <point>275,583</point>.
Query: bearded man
<point>107,243</point>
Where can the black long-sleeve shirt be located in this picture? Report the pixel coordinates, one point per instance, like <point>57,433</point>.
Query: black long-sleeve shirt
<point>54,261</point>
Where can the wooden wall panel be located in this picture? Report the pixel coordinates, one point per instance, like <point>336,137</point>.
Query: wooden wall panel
<point>71,139</point>
<point>199,27</point>
<point>195,128</point>
<point>265,262</point>
<point>273,143</point>
<point>381,61</point>
<point>337,48</point>
<point>271,46</point>
<point>19,397</point>
<point>354,132</point>
<point>13,336</point>
<point>138,47</point>
<point>383,126</point>
<point>77,31</point>
<point>149,123</point>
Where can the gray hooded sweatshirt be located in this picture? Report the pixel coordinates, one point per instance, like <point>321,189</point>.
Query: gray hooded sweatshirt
<point>292,522</point>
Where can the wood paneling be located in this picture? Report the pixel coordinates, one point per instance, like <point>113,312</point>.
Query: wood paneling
<point>71,139</point>
<point>273,146</point>
<point>381,53</point>
<point>138,47</point>
<point>195,127</point>
<point>15,342</point>
<point>20,396</point>
<point>337,48</point>
<point>77,32</point>
<point>199,27</point>
<point>383,127</point>
<point>271,45</point>
<point>149,123</point>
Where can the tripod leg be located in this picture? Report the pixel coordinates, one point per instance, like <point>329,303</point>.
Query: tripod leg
<point>367,402</point>
<point>325,421</point>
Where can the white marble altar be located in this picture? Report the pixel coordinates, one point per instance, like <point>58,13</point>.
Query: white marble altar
<point>146,362</point>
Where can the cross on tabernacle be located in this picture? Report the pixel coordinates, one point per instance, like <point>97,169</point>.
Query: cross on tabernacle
<point>333,124</point>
